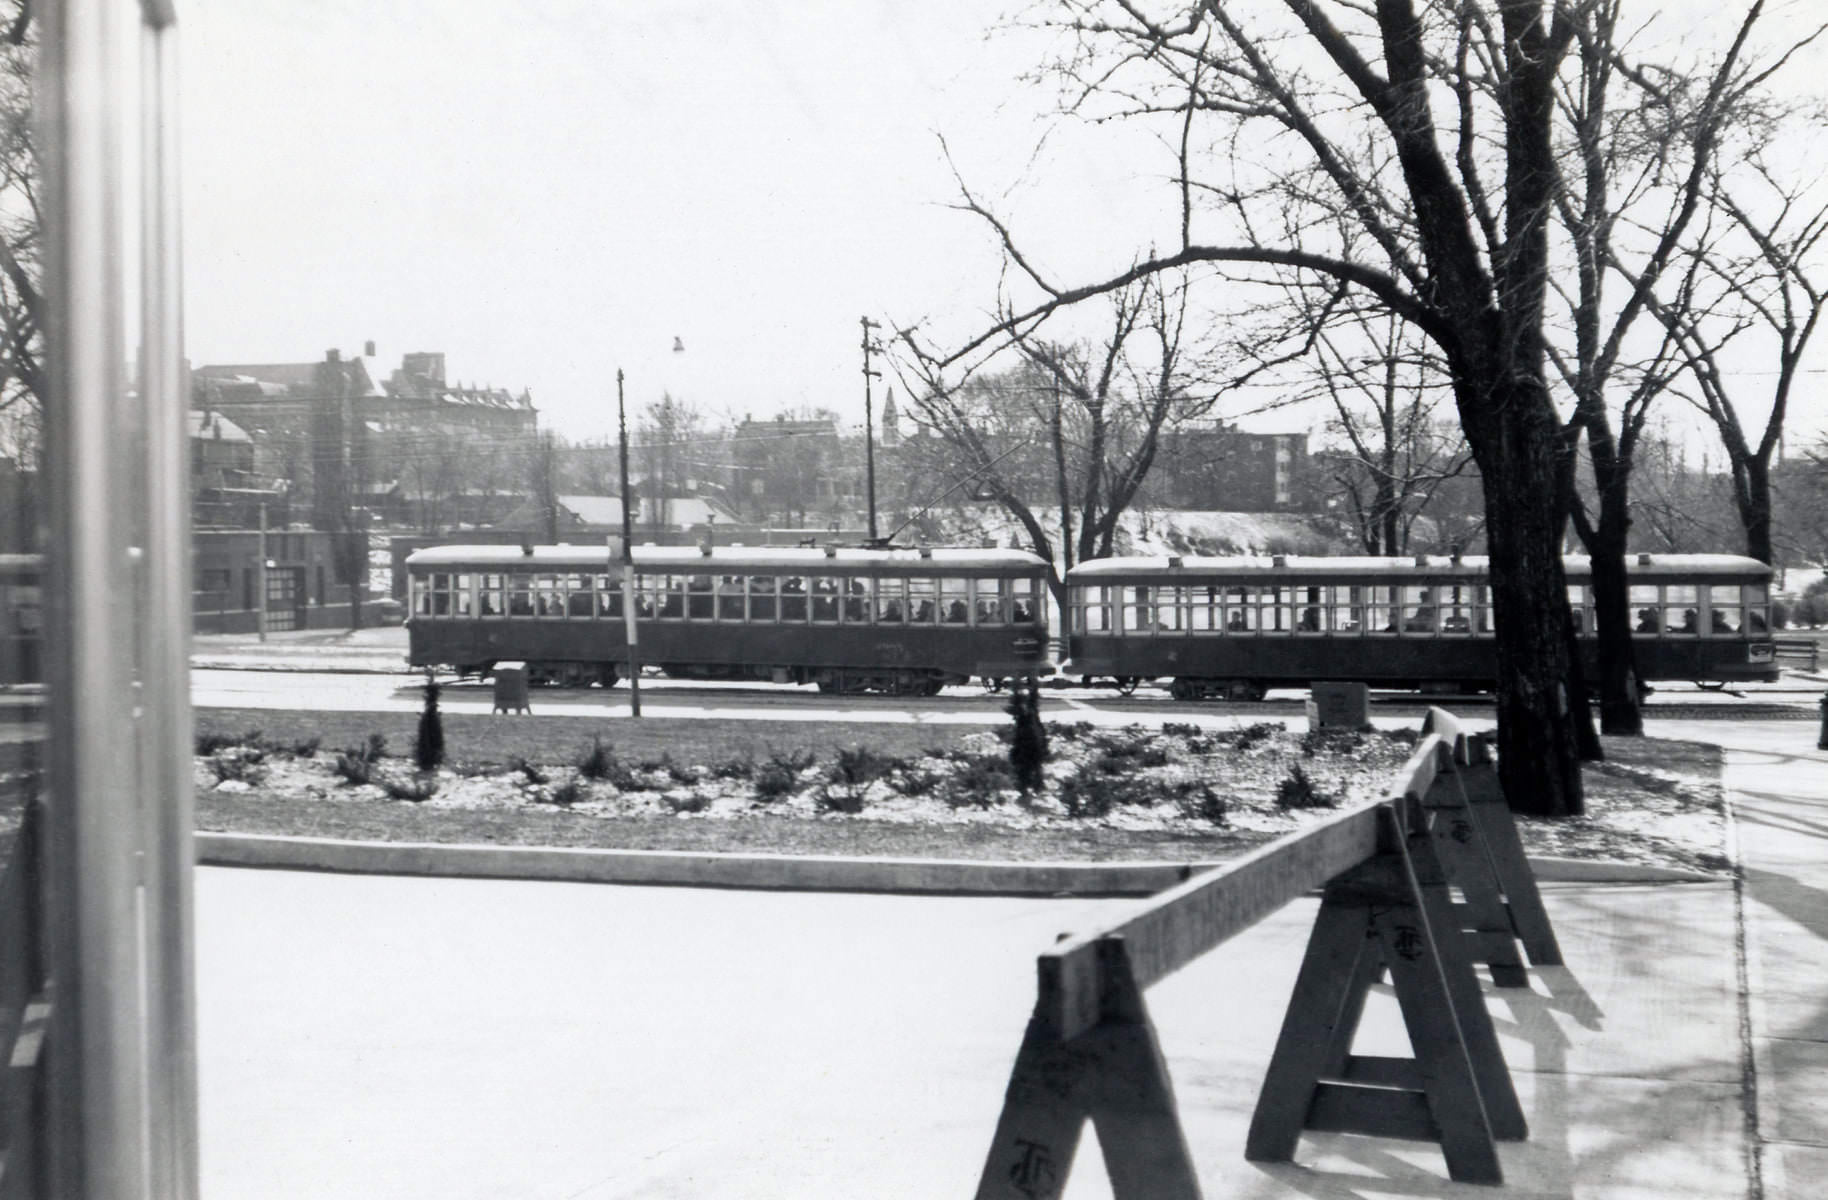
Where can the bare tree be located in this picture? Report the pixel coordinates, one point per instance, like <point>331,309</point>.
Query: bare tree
<point>22,386</point>
<point>664,437</point>
<point>1093,414</point>
<point>1325,166</point>
<point>1753,285</point>
<point>1385,391</point>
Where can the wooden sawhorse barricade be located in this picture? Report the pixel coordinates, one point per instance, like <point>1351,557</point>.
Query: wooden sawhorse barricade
<point>1388,869</point>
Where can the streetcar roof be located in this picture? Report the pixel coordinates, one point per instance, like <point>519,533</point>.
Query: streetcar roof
<point>735,560</point>
<point>1160,569</point>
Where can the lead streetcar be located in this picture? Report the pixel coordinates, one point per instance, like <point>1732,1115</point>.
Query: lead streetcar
<point>1233,628</point>
<point>905,621</point>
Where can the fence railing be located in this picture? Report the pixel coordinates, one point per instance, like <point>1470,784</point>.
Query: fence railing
<point>1388,869</point>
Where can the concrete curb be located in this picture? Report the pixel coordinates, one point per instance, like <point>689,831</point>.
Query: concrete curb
<point>777,872</point>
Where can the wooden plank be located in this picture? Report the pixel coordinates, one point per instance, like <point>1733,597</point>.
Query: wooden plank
<point>1317,1029</point>
<point>1044,1111</point>
<point>1139,1127</point>
<point>1382,1070</point>
<point>1186,921</point>
<point>1380,1112</point>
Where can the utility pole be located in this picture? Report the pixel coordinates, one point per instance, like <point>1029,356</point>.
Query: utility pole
<point>869,424</point>
<point>628,560</point>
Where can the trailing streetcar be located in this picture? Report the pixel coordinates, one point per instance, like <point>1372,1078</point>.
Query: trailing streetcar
<point>903,621</point>
<point>21,613</point>
<point>1233,628</point>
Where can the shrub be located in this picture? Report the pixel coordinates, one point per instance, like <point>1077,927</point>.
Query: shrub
<point>861,764</point>
<point>915,781</point>
<point>306,747</point>
<point>354,767</point>
<point>843,798</point>
<point>533,774</point>
<point>1028,742</point>
<point>415,790</point>
<point>736,768</point>
<point>428,747</point>
<point>599,762</point>
<point>566,794</point>
<point>238,764</point>
<point>1335,740</point>
<point>1180,729</point>
<point>1298,791</point>
<point>793,760</point>
<point>1197,801</point>
<point>1071,731</point>
<point>209,743</point>
<point>1254,735</point>
<point>1089,796</point>
<point>980,782</point>
<point>680,773</point>
<point>773,780</point>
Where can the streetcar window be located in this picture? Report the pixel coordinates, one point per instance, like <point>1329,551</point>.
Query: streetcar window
<point>1308,618</point>
<point>700,603</point>
<point>520,595</point>
<point>1757,608</point>
<point>1419,611</point>
<point>577,596</point>
<point>1204,612</point>
<point>1347,612</point>
<point>490,597</point>
<point>1022,607</point>
<point>1380,610</point>
<point>422,597</point>
<point>1682,609</point>
<point>667,597</point>
<point>923,604</point>
<point>1240,610</point>
<point>547,598</point>
<point>463,595</point>
<point>825,600</point>
<point>1094,605</point>
<point>1137,602</point>
<point>891,601</point>
<point>761,597</point>
<point>609,596</point>
<point>857,606</point>
<point>793,598</point>
<point>954,601</point>
<point>1724,612</point>
<point>1276,613</point>
<point>1482,611</point>
<point>987,601</point>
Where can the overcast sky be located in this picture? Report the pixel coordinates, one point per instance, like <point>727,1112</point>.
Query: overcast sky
<point>546,190</point>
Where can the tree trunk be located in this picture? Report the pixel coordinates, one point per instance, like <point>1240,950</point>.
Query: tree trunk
<point>1620,712</point>
<point>1755,509</point>
<point>1514,436</point>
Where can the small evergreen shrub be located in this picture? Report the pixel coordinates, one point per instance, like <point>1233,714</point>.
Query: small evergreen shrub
<point>687,802</point>
<point>428,747</point>
<point>1180,729</point>
<point>566,794</point>
<point>1028,744</point>
<point>306,747</point>
<point>209,743</point>
<point>1071,731</point>
<point>915,781</point>
<point>1198,802</point>
<point>736,768</point>
<point>1255,735</point>
<point>1298,791</point>
<point>774,780</point>
<point>532,773</point>
<point>861,765</point>
<point>845,798</point>
<point>793,760</point>
<point>599,762</point>
<point>980,782</point>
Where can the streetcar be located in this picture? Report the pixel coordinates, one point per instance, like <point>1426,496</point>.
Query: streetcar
<point>902,621</point>
<point>1232,628</point>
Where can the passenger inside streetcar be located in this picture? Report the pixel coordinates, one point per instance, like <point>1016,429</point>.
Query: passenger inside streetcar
<point>1647,620</point>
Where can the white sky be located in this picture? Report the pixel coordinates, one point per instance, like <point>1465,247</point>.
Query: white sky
<point>546,190</point>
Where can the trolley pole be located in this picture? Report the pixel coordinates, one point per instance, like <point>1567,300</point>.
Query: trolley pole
<point>628,559</point>
<point>869,424</point>
<point>260,577</point>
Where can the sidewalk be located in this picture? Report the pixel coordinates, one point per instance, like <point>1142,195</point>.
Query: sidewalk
<point>1778,781</point>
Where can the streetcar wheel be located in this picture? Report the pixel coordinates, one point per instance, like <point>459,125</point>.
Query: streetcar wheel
<point>1709,685</point>
<point>1126,685</point>
<point>1183,689</point>
<point>993,683</point>
<point>606,676</point>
